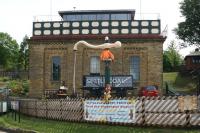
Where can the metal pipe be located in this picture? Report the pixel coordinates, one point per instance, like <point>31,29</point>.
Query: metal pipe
<point>74,74</point>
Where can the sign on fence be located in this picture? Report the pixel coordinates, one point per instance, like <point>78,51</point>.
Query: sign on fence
<point>3,107</point>
<point>14,105</point>
<point>187,103</point>
<point>114,111</point>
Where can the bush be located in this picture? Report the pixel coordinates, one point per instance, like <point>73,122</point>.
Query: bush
<point>4,79</point>
<point>25,85</point>
<point>18,87</point>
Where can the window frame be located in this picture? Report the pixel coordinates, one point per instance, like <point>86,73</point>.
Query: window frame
<point>135,66</point>
<point>96,69</point>
<point>58,73</point>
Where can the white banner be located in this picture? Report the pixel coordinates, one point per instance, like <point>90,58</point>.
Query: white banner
<point>15,105</point>
<point>114,111</point>
<point>4,106</point>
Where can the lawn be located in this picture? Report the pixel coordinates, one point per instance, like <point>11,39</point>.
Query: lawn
<point>179,83</point>
<point>50,126</point>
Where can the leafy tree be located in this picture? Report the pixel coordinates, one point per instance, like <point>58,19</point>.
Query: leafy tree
<point>171,58</point>
<point>24,54</point>
<point>189,31</point>
<point>8,52</point>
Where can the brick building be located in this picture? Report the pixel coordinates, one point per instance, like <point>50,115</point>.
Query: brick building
<point>192,60</point>
<point>51,49</point>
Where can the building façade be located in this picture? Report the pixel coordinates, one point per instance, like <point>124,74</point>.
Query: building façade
<point>52,55</point>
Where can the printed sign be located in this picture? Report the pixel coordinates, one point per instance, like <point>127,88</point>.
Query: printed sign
<point>15,105</point>
<point>116,81</point>
<point>114,111</point>
<point>4,107</point>
<point>187,103</point>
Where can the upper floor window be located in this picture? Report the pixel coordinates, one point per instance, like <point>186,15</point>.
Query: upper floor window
<point>103,17</point>
<point>196,60</point>
<point>96,17</point>
<point>95,65</point>
<point>135,67</point>
<point>56,68</point>
<point>120,16</point>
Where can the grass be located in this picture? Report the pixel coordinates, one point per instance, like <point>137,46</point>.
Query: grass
<point>50,126</point>
<point>179,83</point>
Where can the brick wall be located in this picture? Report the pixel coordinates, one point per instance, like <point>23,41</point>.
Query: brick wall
<point>41,52</point>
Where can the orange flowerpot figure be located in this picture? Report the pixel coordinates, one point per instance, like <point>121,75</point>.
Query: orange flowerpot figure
<point>106,55</point>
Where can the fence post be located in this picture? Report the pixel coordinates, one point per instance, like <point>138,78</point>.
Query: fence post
<point>61,109</point>
<point>19,111</point>
<point>143,111</point>
<point>1,111</point>
<point>82,109</point>
<point>36,112</point>
<point>46,109</point>
<point>15,114</point>
<point>167,88</point>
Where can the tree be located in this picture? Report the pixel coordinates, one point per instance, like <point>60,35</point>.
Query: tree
<point>24,54</point>
<point>189,31</point>
<point>8,52</point>
<point>171,58</point>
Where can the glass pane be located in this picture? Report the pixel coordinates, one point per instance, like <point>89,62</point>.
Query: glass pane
<point>119,17</point>
<point>102,16</point>
<point>135,67</point>
<point>56,68</point>
<point>94,64</point>
<point>92,17</point>
<point>84,17</point>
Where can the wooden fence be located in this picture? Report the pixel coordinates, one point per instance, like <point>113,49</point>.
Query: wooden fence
<point>150,111</point>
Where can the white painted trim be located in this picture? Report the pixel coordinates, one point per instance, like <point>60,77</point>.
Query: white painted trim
<point>124,23</point>
<point>104,31</point>
<point>66,24</point>
<point>95,31</point>
<point>37,32</point>
<point>47,32</point>
<point>65,32</point>
<point>37,25</point>
<point>56,32</point>
<point>47,25</point>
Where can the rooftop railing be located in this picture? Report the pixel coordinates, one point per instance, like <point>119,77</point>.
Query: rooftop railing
<point>96,27</point>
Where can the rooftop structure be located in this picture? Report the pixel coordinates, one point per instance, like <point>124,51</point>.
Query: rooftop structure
<point>97,15</point>
<point>97,22</point>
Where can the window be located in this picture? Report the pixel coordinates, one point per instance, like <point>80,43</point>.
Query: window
<point>102,16</point>
<point>120,17</point>
<point>94,65</point>
<point>56,68</point>
<point>196,60</point>
<point>135,67</point>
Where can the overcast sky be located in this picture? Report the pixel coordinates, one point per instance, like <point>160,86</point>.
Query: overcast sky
<point>16,16</point>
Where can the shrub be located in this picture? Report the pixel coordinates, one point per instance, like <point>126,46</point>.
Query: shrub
<point>25,85</point>
<point>19,87</point>
<point>4,79</point>
<point>16,87</point>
